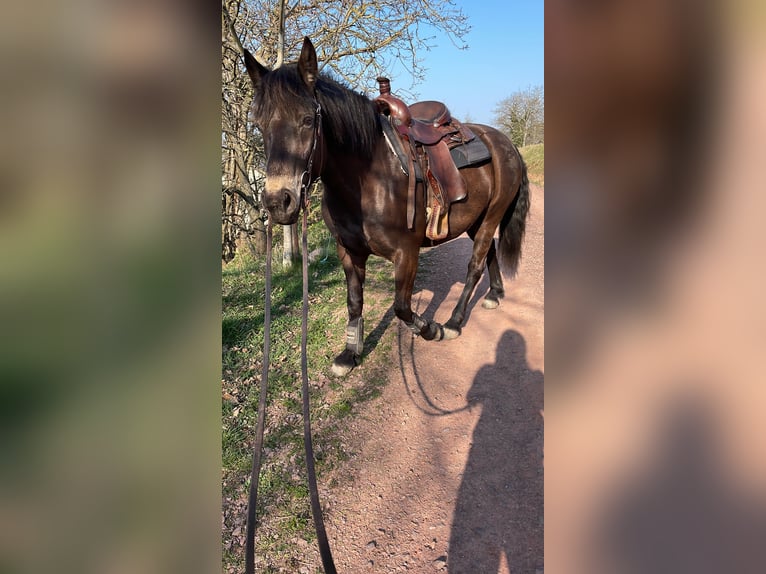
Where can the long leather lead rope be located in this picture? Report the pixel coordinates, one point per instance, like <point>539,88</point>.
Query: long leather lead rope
<point>316,508</point>
<point>258,445</point>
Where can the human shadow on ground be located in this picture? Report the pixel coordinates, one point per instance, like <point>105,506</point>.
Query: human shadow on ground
<point>684,512</point>
<point>499,508</point>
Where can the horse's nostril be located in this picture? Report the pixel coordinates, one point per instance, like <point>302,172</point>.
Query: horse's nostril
<point>282,204</point>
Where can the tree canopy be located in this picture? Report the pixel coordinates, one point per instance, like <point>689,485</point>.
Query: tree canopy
<point>522,116</point>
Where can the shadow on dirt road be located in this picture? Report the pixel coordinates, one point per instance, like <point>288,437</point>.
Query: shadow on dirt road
<point>500,500</point>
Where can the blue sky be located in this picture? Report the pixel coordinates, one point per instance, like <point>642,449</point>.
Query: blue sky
<point>504,55</point>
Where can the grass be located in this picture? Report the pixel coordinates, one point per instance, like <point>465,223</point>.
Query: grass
<point>285,524</point>
<point>534,156</point>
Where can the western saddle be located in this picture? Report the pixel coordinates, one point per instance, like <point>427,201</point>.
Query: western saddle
<point>429,132</point>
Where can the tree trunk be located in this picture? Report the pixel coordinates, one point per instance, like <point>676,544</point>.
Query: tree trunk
<point>259,237</point>
<point>290,247</point>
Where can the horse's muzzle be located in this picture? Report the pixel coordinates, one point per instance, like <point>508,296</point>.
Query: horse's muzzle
<point>283,206</point>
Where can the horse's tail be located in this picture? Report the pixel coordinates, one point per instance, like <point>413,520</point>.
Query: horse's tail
<point>513,225</point>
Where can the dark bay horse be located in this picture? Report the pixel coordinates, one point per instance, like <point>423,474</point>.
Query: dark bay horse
<point>314,127</point>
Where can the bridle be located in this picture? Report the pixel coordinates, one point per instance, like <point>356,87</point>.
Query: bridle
<point>316,509</point>
<point>306,175</point>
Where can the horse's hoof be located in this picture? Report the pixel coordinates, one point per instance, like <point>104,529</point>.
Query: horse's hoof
<point>344,363</point>
<point>490,303</point>
<point>341,370</point>
<point>451,333</point>
<point>435,332</point>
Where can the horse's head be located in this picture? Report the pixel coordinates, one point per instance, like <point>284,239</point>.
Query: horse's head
<point>286,111</point>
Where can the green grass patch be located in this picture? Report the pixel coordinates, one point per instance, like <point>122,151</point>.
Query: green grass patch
<point>284,511</point>
<point>534,157</point>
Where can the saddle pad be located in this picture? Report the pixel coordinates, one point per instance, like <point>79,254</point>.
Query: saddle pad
<point>475,151</point>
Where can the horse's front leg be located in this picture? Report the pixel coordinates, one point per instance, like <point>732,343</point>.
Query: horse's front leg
<point>354,266</point>
<point>405,270</point>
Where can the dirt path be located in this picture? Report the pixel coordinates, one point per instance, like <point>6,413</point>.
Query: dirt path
<point>447,473</point>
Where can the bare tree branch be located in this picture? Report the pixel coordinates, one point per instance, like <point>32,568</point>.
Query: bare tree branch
<point>247,197</point>
<point>281,35</point>
<point>356,40</point>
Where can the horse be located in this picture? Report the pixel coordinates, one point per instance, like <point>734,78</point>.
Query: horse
<point>314,127</point>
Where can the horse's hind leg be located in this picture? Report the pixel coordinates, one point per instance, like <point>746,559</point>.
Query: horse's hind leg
<point>481,247</point>
<point>405,269</point>
<point>354,266</point>
<point>496,291</point>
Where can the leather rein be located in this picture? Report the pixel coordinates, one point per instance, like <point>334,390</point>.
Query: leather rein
<point>316,509</point>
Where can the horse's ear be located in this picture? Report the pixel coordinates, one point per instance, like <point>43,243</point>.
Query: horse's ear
<point>307,64</point>
<point>254,69</point>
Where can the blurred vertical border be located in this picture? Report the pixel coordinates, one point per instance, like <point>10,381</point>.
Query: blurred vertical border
<point>110,287</point>
<point>655,319</point>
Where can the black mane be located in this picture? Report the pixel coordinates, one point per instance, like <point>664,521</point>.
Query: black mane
<point>350,121</point>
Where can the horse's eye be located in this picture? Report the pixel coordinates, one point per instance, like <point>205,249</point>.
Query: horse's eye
<point>308,121</point>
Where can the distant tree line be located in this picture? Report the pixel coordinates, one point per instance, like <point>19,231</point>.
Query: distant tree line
<point>521,116</point>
